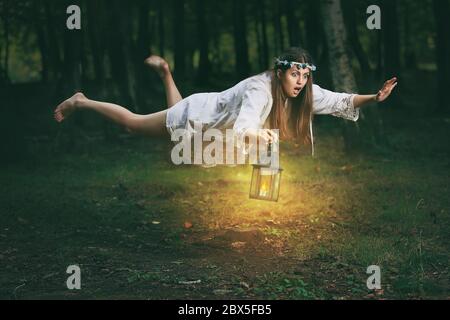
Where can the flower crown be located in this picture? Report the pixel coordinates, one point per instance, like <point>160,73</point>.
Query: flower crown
<point>299,65</point>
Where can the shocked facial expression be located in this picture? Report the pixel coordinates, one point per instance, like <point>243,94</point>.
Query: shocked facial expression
<point>293,80</point>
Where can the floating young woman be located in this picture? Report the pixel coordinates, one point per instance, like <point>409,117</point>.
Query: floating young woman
<point>283,98</point>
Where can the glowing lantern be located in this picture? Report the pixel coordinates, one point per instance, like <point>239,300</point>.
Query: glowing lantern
<point>265,183</point>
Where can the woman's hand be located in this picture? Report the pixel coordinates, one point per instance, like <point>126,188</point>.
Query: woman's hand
<point>264,135</point>
<point>384,93</point>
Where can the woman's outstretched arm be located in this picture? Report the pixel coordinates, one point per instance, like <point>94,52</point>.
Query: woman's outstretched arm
<point>383,94</point>
<point>346,105</point>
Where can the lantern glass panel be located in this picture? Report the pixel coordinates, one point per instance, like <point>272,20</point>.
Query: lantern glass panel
<point>265,183</point>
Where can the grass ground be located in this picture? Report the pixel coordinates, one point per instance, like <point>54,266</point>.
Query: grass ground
<point>141,227</point>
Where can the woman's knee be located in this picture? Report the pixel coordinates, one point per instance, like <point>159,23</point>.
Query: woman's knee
<point>152,124</point>
<point>133,124</point>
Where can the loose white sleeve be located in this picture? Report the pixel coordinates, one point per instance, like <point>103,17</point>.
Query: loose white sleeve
<point>334,103</point>
<point>254,102</point>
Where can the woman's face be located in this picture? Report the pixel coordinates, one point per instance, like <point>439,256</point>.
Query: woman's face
<point>293,80</point>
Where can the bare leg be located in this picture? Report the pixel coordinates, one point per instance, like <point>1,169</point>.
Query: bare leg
<point>162,67</point>
<point>151,125</point>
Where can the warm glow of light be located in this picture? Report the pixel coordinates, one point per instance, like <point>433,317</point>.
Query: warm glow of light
<point>264,190</point>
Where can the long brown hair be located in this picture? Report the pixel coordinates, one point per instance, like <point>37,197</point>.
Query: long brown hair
<point>301,106</point>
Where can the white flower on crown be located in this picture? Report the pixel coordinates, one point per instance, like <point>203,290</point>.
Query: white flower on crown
<point>290,64</point>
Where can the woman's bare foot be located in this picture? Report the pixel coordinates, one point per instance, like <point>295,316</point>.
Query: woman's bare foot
<point>158,64</point>
<point>66,108</point>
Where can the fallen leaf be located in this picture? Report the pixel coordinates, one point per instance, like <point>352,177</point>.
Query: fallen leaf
<point>188,225</point>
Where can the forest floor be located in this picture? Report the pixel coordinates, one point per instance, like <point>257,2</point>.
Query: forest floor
<point>140,227</point>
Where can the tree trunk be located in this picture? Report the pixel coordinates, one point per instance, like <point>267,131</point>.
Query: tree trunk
<point>344,80</point>
<point>278,34</point>
<point>257,24</point>
<point>143,50</point>
<point>204,65</point>
<point>265,46</point>
<point>125,12</point>
<point>83,51</point>
<point>240,39</point>
<point>315,41</point>
<point>6,26</point>
<point>1,67</point>
<point>342,74</point>
<point>178,38</point>
<point>409,46</point>
<point>441,13</point>
<point>343,77</point>
<point>292,21</point>
<point>119,46</point>
<point>42,41</point>
<point>54,41</point>
<point>94,15</point>
<point>161,29</point>
<point>380,55</point>
<point>391,46</point>
<point>143,38</point>
<point>313,27</point>
<point>70,77</point>
<point>72,60</point>
<point>216,58</point>
<point>390,38</point>
<point>351,24</point>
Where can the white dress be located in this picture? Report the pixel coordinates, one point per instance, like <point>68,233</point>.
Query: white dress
<point>247,105</point>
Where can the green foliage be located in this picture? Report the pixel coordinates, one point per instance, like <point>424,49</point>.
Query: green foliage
<point>278,286</point>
